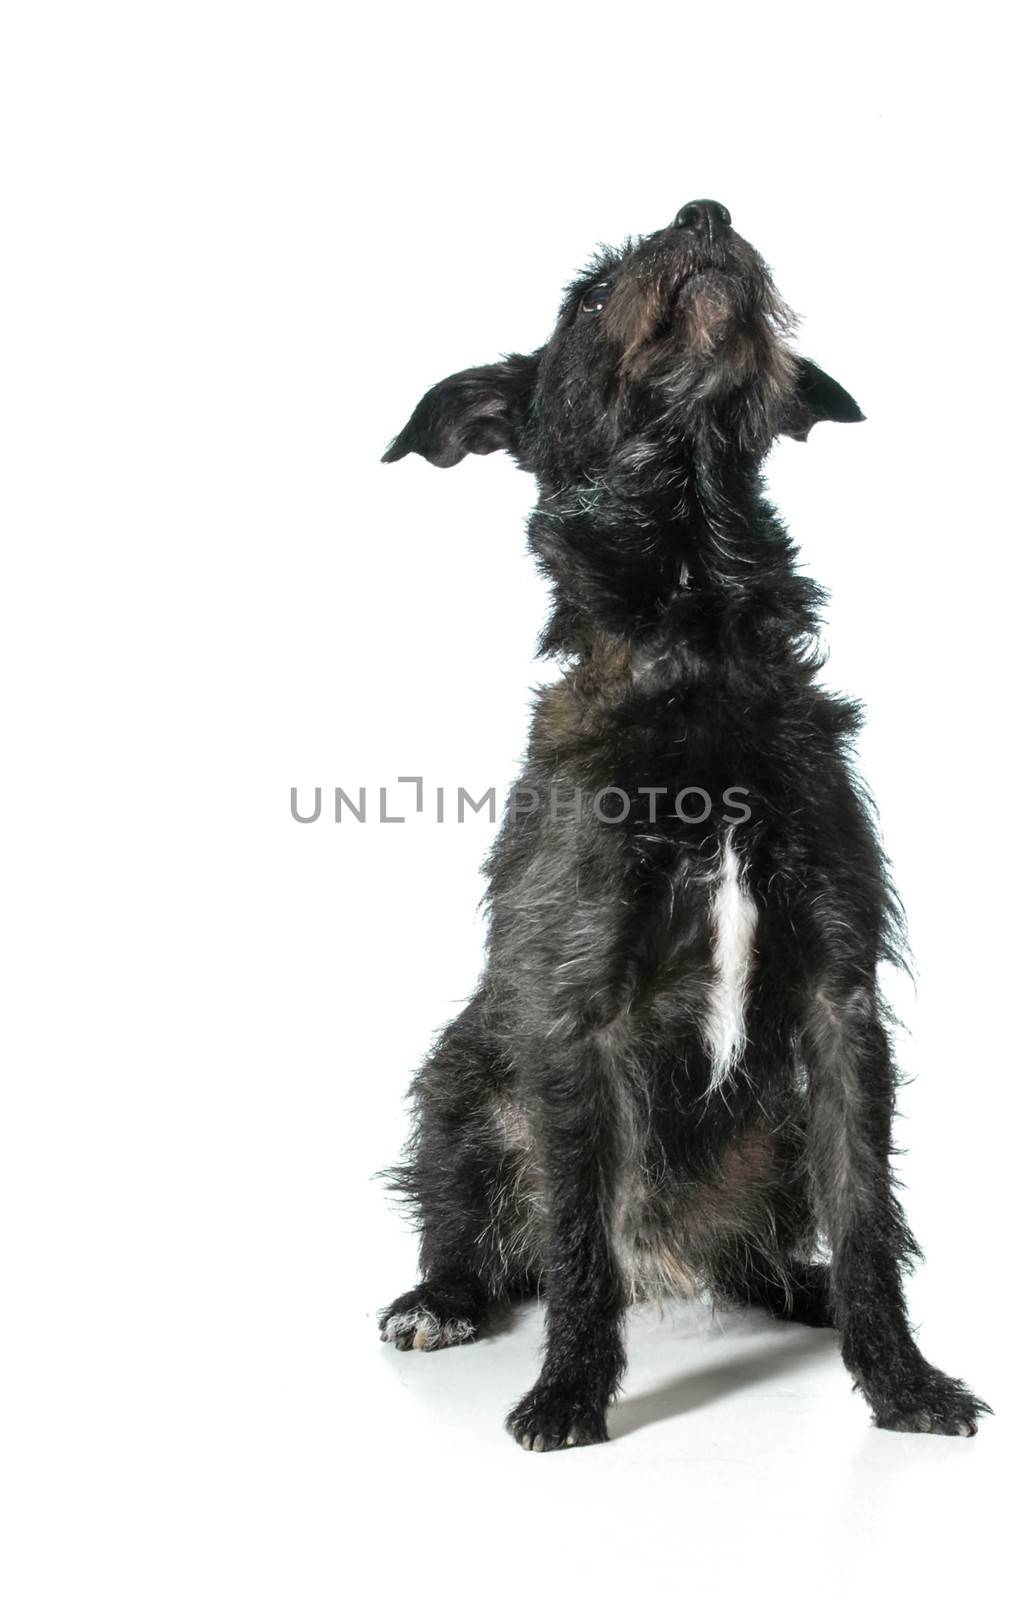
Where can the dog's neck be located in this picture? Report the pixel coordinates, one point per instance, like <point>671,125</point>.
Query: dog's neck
<point>694,561</point>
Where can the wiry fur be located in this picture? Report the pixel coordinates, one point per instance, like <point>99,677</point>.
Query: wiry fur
<point>676,1071</point>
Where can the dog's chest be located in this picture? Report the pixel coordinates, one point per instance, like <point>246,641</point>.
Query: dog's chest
<point>620,945</point>
<point>733,930</point>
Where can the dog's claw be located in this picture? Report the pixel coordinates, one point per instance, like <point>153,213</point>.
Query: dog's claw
<point>548,1419</point>
<point>426,1319</point>
<point>934,1404</point>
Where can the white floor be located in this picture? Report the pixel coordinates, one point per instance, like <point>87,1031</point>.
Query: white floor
<point>739,1456</point>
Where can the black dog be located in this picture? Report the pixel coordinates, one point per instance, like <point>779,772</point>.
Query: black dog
<point>676,1070</point>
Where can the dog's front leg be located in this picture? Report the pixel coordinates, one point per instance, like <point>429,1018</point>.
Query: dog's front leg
<point>579,1146</point>
<point>851,1090</point>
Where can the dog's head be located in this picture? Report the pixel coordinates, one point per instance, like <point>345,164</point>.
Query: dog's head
<point>675,344</point>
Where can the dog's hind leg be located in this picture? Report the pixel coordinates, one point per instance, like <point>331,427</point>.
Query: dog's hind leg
<point>767,1262</point>
<point>851,1089</point>
<point>794,1291</point>
<point>464,1187</point>
<point>436,1313</point>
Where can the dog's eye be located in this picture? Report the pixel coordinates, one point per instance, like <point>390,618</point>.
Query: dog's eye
<point>596,297</point>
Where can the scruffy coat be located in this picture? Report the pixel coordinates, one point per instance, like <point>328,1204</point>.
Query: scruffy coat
<point>676,1071</point>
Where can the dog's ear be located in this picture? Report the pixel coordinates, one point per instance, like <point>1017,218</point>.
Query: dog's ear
<point>476,411</point>
<point>817,398</point>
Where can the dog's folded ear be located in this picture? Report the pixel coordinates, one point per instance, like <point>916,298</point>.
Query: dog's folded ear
<point>817,398</point>
<point>472,412</point>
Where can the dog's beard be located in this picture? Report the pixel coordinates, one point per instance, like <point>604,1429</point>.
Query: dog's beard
<point>708,346</point>
<point>713,324</point>
<point>705,310</point>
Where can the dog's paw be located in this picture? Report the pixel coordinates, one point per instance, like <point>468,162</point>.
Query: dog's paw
<point>420,1329</point>
<point>425,1319</point>
<point>932,1403</point>
<point>551,1418</point>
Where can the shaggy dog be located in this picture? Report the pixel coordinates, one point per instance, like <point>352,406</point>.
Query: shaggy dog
<point>675,1073</point>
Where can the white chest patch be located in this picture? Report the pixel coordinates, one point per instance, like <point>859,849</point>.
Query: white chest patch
<point>733,921</point>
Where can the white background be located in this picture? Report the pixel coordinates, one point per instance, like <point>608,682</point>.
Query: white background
<point>240,242</point>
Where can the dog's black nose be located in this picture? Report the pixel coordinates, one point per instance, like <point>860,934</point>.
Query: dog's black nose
<point>707,218</point>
